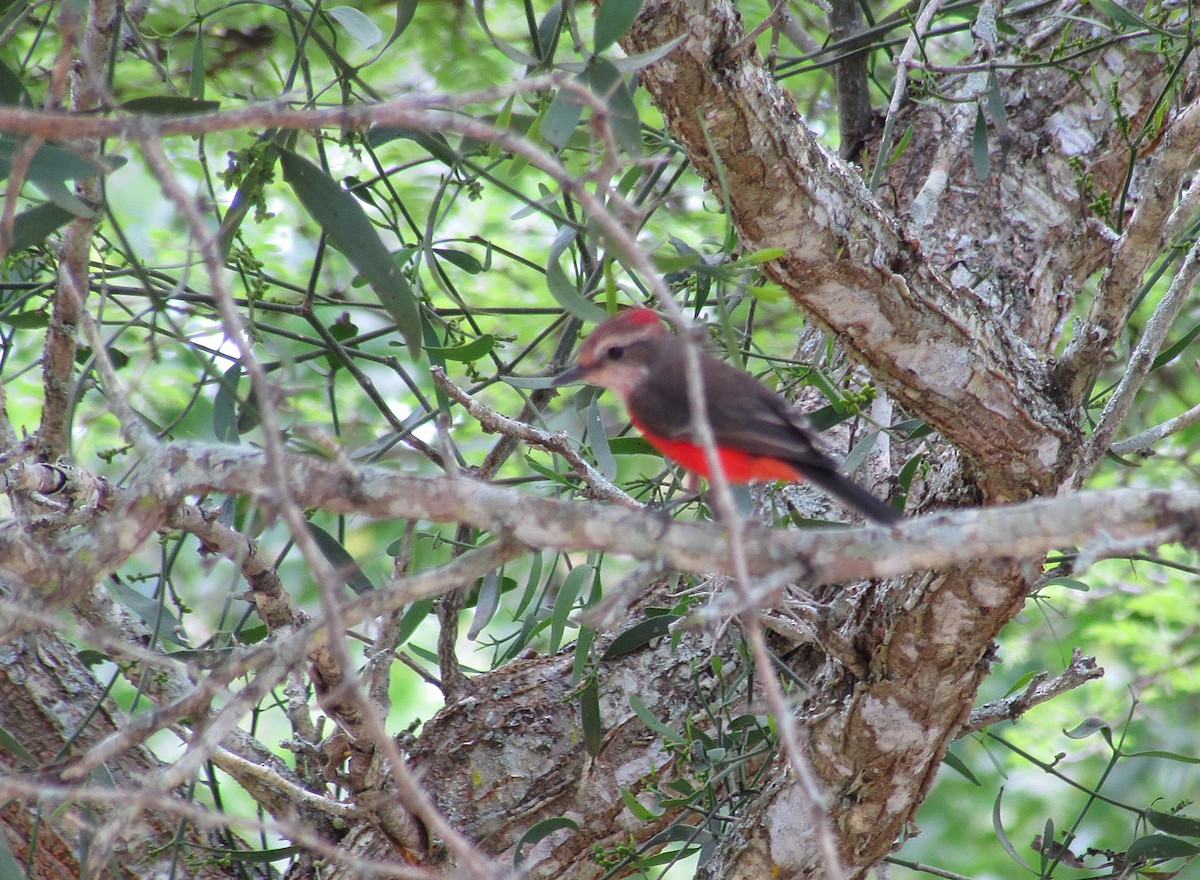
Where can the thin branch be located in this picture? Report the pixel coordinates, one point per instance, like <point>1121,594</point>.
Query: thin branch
<point>902,62</point>
<point>493,422</point>
<point>1140,363</point>
<point>1102,524</point>
<point>1079,671</point>
<point>1140,244</point>
<point>1142,443</point>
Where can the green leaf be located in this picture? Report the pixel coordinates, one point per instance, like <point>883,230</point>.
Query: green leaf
<point>1121,15</point>
<point>345,566</point>
<point>613,19</point>
<point>633,63</point>
<point>639,810</point>
<point>196,79</point>
<point>1166,756</point>
<point>561,288</point>
<point>631,445</point>
<point>560,119</point>
<point>225,405</point>
<point>53,163</point>
<point>433,143</point>
<point>764,255</point>
<point>901,146</point>
<point>529,383</point>
<point>539,831</point>
<point>979,145</point>
<point>12,91</point>
<point>360,28</point>
<point>412,619</point>
<point>34,226</point>
<point>467,262</point>
<point>639,635</point>
<point>1160,846</point>
<point>564,602</point>
<point>405,10</point>
<point>27,320</point>
<point>152,612</point>
<point>858,455</point>
<point>648,718</point>
<point>1173,824</point>
<point>1176,348</point>
<point>1020,683</point>
<point>486,603</point>
<point>589,715</point>
<point>468,351</point>
<point>548,30</point>
<point>345,224</point>
<point>1005,843</point>
<point>57,192</point>
<point>1069,583</point>
<point>169,105</point>
<point>609,83</point>
<point>955,763</point>
<point>10,868</point>
<point>1089,726</point>
<point>598,441</point>
<point>13,746</point>
<point>510,51</point>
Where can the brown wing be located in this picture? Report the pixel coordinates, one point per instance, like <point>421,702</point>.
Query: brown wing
<point>744,413</point>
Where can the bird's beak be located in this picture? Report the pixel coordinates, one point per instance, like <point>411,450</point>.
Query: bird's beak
<point>571,374</point>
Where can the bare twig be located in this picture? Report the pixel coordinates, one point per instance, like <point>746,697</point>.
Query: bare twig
<point>1140,244</point>
<point>1143,441</point>
<point>1140,362</point>
<point>1078,672</point>
<point>492,421</point>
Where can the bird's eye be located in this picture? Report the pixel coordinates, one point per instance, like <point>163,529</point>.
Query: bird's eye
<point>615,353</point>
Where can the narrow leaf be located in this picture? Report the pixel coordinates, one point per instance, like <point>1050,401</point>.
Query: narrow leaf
<point>12,91</point>
<point>639,810</point>
<point>32,227</point>
<point>561,288</point>
<point>648,718</point>
<point>169,105</point>
<point>345,224</point>
<point>355,22</point>
<point>467,262</point>
<point>955,763</point>
<point>598,440</point>
<point>486,603</point>
<point>633,63</point>
<point>613,19</point>
<point>589,715</point>
<point>638,635</point>
<point>609,83</point>
<point>560,119</point>
<point>539,831</point>
<point>433,143</point>
<point>468,351</point>
<point>152,611</point>
<point>347,569</point>
<point>979,145</point>
<point>1173,824</point>
<point>998,827</point>
<point>196,78</point>
<point>1160,846</point>
<point>564,602</point>
<point>225,404</point>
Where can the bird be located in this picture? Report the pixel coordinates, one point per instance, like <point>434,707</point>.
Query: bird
<point>759,435</point>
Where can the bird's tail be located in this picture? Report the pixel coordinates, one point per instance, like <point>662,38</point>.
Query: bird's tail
<point>853,495</point>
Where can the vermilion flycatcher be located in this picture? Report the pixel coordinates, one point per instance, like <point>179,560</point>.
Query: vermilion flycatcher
<point>758,434</point>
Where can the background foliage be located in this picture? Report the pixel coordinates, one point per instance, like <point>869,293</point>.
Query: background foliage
<point>360,259</point>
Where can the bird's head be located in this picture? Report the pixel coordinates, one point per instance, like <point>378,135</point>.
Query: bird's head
<point>618,354</point>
